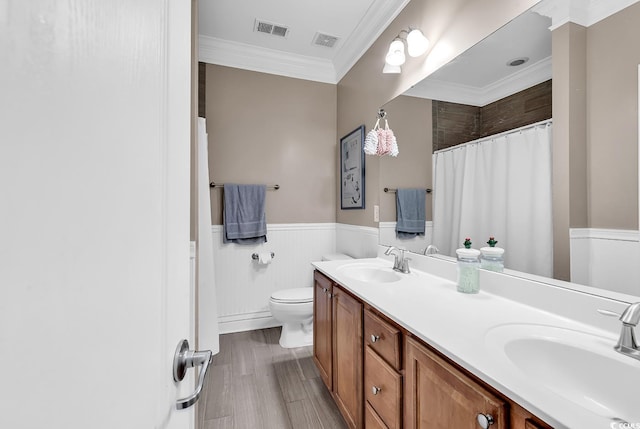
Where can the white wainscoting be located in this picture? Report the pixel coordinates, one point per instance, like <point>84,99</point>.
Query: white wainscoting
<point>416,244</point>
<point>244,287</point>
<point>357,241</point>
<point>606,258</point>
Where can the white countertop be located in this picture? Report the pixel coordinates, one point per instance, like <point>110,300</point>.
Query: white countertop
<point>460,325</point>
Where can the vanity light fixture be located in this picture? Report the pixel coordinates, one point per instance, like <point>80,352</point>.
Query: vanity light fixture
<point>395,56</point>
<point>389,69</point>
<point>417,44</point>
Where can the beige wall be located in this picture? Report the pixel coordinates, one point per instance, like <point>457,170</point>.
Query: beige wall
<point>569,141</point>
<point>452,26</point>
<point>264,129</point>
<point>410,119</point>
<point>612,119</point>
<point>273,129</point>
<point>595,137</point>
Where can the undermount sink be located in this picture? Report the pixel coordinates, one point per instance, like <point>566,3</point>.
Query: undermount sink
<point>370,273</point>
<point>581,367</point>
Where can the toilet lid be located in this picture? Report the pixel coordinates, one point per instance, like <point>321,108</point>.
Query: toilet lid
<point>300,294</point>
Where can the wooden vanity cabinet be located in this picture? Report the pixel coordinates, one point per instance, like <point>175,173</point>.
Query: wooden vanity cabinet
<point>371,419</point>
<point>437,395</point>
<point>322,327</point>
<point>384,338</point>
<point>347,357</point>
<point>381,377</point>
<point>337,347</point>
<point>523,419</point>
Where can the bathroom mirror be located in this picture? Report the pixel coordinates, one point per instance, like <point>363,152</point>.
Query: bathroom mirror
<point>467,80</point>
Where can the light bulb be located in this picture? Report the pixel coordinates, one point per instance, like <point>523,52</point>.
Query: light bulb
<point>395,56</point>
<point>417,44</point>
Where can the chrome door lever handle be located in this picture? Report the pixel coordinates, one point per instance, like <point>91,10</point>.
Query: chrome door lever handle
<point>185,359</point>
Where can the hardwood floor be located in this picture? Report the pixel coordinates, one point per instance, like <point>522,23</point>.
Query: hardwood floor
<point>254,383</point>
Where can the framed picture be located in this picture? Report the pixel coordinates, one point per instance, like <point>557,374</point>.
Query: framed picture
<point>352,170</point>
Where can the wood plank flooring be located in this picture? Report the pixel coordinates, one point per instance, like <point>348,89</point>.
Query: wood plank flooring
<point>253,383</point>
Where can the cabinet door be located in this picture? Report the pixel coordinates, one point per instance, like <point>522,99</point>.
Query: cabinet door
<point>347,357</point>
<point>519,418</point>
<point>530,424</point>
<point>439,396</point>
<point>371,419</point>
<point>322,331</point>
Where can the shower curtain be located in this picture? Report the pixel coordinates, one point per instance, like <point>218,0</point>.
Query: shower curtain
<point>498,186</point>
<point>208,338</point>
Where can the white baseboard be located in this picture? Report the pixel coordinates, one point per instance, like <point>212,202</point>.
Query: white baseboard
<point>247,322</point>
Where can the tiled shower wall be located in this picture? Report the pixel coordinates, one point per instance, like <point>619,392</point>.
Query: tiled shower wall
<point>455,123</point>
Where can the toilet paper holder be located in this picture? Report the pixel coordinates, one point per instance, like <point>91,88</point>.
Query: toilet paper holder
<point>255,256</point>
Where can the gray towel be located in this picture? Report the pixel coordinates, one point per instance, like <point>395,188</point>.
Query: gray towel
<point>410,211</point>
<point>244,218</point>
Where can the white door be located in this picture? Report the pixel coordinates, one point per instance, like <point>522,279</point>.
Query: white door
<point>94,212</point>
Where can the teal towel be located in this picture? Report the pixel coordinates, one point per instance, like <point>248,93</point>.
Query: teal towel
<point>410,212</point>
<point>244,216</point>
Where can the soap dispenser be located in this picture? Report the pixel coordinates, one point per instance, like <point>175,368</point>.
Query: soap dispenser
<point>492,257</point>
<point>468,264</point>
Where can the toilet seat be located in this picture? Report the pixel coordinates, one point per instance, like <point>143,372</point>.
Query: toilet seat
<point>293,296</point>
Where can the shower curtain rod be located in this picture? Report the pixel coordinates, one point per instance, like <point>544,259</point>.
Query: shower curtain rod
<point>220,185</point>
<point>504,133</point>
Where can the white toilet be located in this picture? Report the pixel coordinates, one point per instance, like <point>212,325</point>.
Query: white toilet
<point>294,308</point>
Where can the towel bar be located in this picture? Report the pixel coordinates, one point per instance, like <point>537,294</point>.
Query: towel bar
<point>429,190</point>
<point>220,185</point>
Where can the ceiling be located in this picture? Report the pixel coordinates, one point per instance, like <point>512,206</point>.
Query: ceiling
<point>227,35</point>
<point>481,75</point>
<point>478,76</point>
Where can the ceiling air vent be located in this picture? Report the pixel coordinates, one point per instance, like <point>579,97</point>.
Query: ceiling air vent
<point>269,28</point>
<point>327,40</point>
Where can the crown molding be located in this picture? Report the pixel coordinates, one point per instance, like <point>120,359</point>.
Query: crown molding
<point>248,57</point>
<point>585,13</point>
<point>464,94</point>
<point>243,56</point>
<point>370,27</point>
<point>213,50</point>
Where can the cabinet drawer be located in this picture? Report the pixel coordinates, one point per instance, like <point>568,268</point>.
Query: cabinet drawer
<point>383,338</point>
<point>371,419</point>
<point>383,389</point>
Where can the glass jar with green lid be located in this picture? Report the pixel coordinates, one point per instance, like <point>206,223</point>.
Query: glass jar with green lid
<point>468,275</point>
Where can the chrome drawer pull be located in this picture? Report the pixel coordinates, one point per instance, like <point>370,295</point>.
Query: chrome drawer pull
<point>374,338</point>
<point>485,420</point>
<point>375,390</point>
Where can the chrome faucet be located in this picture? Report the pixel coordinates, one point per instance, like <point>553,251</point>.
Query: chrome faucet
<point>627,344</point>
<point>431,250</point>
<point>401,263</point>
